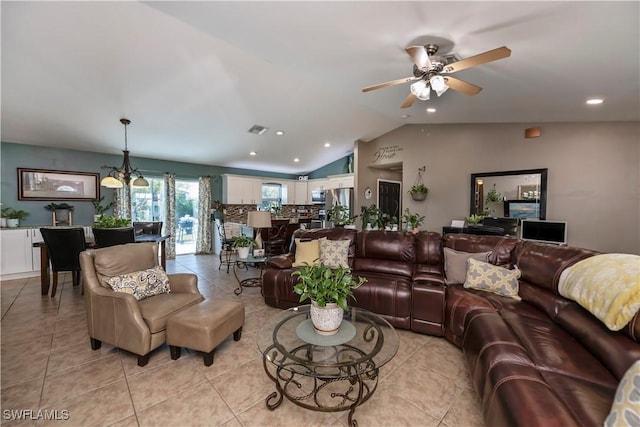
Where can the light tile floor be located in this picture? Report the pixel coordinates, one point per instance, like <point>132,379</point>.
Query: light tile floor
<point>47,364</point>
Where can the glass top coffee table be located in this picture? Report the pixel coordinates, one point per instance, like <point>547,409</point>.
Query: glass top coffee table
<point>334,373</point>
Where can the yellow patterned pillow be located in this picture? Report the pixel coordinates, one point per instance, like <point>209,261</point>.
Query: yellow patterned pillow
<point>335,253</point>
<point>141,284</point>
<point>625,410</point>
<point>608,285</point>
<point>491,278</point>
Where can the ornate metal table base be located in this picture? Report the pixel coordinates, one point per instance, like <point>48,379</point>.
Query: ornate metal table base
<point>325,394</point>
<point>320,376</point>
<point>253,282</point>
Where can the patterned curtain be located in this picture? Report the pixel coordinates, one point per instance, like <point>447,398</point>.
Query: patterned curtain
<point>203,240</point>
<point>170,214</point>
<point>123,202</point>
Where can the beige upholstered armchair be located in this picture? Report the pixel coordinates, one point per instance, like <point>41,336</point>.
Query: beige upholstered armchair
<point>119,318</point>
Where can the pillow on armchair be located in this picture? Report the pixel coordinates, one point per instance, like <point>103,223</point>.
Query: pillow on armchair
<point>141,284</point>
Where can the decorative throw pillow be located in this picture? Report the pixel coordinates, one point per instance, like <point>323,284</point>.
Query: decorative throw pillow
<point>335,253</point>
<point>307,252</point>
<point>625,410</point>
<point>455,264</point>
<point>141,284</point>
<point>491,278</point>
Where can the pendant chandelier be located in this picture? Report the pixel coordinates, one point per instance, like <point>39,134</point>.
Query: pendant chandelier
<point>117,177</point>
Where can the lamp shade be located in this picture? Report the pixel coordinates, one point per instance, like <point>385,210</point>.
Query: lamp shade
<point>417,87</point>
<point>111,182</point>
<point>259,219</point>
<point>140,182</point>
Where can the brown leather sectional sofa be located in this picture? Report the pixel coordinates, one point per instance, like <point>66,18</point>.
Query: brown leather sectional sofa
<point>543,360</point>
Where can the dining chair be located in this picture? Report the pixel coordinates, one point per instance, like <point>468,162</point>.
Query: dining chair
<point>150,227</point>
<point>64,246</point>
<point>106,237</point>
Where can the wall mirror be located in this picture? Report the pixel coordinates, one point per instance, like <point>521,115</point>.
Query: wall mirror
<point>513,194</point>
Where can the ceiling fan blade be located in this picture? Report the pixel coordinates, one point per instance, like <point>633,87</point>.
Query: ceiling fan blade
<point>420,57</point>
<point>387,84</point>
<point>462,86</point>
<point>408,102</point>
<point>482,58</point>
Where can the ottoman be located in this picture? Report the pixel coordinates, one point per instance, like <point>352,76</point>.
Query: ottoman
<point>203,326</point>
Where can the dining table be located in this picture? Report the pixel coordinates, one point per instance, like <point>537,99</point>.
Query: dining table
<point>161,239</point>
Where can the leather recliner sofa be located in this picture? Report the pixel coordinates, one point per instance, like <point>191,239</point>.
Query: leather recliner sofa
<point>543,360</point>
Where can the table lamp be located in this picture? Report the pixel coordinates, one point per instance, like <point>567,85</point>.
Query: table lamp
<point>258,220</point>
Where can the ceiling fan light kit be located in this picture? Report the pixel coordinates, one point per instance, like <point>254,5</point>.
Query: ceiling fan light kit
<point>428,69</point>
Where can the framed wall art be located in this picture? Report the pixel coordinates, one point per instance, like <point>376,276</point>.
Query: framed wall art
<point>43,184</point>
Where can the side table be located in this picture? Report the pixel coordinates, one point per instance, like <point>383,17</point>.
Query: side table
<point>252,282</point>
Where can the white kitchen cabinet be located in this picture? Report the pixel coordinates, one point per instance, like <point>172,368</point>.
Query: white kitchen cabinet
<point>341,181</point>
<point>241,190</point>
<point>17,251</point>
<point>301,193</point>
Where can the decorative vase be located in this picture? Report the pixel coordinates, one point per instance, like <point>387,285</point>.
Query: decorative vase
<point>13,222</point>
<point>243,252</point>
<point>326,320</point>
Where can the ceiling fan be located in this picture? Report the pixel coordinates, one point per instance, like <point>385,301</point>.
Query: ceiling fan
<point>428,70</point>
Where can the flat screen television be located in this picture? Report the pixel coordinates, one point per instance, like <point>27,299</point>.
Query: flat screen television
<point>544,231</point>
<point>522,209</point>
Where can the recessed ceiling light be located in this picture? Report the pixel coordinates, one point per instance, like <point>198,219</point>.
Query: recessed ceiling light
<point>279,132</point>
<point>327,144</point>
<point>296,160</point>
<point>594,101</point>
<point>405,116</point>
<point>431,110</point>
<point>252,153</point>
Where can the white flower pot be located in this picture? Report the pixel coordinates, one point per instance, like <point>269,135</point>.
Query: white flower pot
<point>326,320</point>
<point>243,252</point>
<point>13,222</point>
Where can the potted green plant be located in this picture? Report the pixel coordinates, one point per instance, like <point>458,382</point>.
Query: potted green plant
<point>243,244</point>
<point>328,289</point>
<point>474,219</point>
<point>369,216</point>
<point>111,222</point>
<point>60,212</point>
<point>339,215</point>
<point>413,220</point>
<point>14,216</point>
<point>419,192</point>
<point>99,208</point>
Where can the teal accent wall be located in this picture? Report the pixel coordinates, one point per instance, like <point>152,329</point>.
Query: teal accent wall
<point>13,156</point>
<point>338,167</point>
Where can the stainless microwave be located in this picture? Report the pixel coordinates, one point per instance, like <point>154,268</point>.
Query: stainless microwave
<point>318,197</point>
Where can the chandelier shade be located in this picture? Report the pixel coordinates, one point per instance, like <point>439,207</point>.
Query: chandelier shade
<point>119,176</point>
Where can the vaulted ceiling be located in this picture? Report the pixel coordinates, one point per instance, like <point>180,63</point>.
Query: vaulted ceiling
<point>193,77</point>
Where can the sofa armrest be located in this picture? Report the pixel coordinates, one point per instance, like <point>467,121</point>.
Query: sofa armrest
<point>281,261</point>
<point>185,283</point>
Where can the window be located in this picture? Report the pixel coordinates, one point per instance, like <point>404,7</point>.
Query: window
<point>147,202</point>
<point>271,196</point>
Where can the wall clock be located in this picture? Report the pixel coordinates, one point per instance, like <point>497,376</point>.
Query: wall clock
<point>368,193</point>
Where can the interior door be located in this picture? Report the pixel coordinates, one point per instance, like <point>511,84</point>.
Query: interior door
<point>389,197</point>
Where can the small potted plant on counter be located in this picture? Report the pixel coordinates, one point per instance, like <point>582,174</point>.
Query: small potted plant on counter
<point>339,215</point>
<point>328,289</point>
<point>60,213</point>
<point>14,216</point>
<point>413,220</point>
<point>474,219</point>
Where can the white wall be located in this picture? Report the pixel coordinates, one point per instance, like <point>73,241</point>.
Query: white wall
<point>593,172</point>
